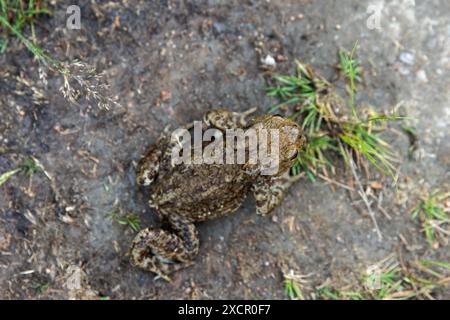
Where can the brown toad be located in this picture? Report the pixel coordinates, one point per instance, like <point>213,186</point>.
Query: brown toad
<point>184,193</point>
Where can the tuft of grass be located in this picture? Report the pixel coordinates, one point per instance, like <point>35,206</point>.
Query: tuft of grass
<point>302,88</point>
<point>390,281</point>
<point>41,287</point>
<point>28,167</point>
<point>15,15</point>
<point>427,276</point>
<point>389,284</point>
<point>418,280</point>
<point>434,217</point>
<point>293,285</point>
<point>5,176</point>
<point>440,264</point>
<point>332,125</point>
<point>293,290</point>
<point>130,220</point>
<point>350,68</point>
<point>80,79</point>
<point>386,280</point>
<point>314,155</point>
<point>363,140</point>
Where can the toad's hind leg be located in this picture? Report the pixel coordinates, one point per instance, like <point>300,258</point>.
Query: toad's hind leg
<point>165,251</point>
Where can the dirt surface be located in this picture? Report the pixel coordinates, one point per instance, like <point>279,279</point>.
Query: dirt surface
<point>203,55</point>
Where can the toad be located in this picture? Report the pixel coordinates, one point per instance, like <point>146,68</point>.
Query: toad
<point>183,194</point>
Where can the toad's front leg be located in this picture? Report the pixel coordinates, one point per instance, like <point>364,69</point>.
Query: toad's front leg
<point>162,251</point>
<point>269,191</point>
<point>224,119</point>
<point>148,167</point>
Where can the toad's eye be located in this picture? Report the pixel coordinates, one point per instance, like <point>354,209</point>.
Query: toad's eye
<point>294,155</point>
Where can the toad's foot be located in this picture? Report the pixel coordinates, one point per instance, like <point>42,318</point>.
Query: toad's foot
<point>162,251</point>
<point>270,191</point>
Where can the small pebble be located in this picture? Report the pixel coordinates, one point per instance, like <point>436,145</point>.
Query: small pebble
<point>403,71</point>
<point>407,57</point>
<point>269,61</point>
<point>422,76</point>
<point>165,95</point>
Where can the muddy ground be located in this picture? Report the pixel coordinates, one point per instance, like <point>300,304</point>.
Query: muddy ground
<point>205,54</point>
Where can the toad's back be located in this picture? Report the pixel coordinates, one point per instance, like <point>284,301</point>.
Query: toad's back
<point>200,192</point>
